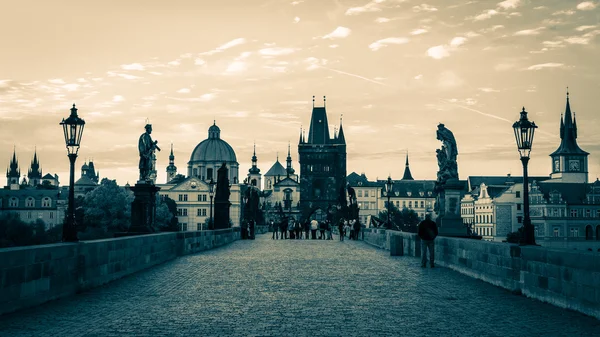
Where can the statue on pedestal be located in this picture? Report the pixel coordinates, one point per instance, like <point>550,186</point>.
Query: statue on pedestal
<point>146,147</point>
<point>222,203</point>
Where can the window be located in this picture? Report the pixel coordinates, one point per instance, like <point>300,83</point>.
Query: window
<point>204,212</point>
<point>201,197</point>
<point>29,202</point>
<point>588,213</point>
<point>573,213</point>
<point>28,215</point>
<point>574,232</point>
<point>366,205</point>
<point>46,202</point>
<point>366,193</point>
<point>410,204</point>
<point>519,219</point>
<point>209,173</point>
<point>518,207</point>
<point>199,212</point>
<point>182,212</point>
<point>14,202</point>
<point>359,194</point>
<point>556,232</point>
<point>536,231</point>
<point>518,194</point>
<point>198,226</point>
<point>598,213</point>
<point>403,203</point>
<point>195,172</point>
<point>184,226</point>
<point>181,197</point>
<point>422,204</point>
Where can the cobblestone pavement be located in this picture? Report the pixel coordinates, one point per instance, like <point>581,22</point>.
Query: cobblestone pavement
<point>297,288</point>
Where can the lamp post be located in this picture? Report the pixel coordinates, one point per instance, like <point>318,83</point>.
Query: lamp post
<point>524,130</point>
<point>388,188</point>
<point>211,193</point>
<point>73,130</point>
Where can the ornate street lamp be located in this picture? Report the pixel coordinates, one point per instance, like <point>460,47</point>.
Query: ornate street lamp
<point>388,189</point>
<point>73,130</point>
<point>211,193</point>
<point>524,130</point>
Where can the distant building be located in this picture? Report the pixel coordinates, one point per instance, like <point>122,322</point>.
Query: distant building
<point>368,195</point>
<point>88,180</point>
<point>191,192</point>
<point>322,166</point>
<point>33,199</point>
<point>281,195</point>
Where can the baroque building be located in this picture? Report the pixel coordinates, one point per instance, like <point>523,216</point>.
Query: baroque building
<point>191,191</point>
<point>322,166</point>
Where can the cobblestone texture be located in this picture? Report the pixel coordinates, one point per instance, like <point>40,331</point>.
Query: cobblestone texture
<point>297,288</point>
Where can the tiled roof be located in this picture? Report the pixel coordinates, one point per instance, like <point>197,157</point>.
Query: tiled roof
<point>276,170</point>
<point>572,193</point>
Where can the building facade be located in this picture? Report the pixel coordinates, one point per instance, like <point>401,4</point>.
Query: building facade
<point>322,166</point>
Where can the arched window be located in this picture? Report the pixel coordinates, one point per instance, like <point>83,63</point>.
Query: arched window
<point>46,202</point>
<point>589,233</point>
<point>13,202</point>
<point>598,232</point>
<point>29,202</point>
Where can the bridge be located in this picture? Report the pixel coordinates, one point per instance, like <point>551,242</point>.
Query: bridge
<point>267,287</point>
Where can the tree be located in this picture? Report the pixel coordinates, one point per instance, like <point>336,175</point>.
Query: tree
<point>107,207</point>
<point>14,231</point>
<point>405,220</point>
<point>166,214</point>
<point>515,237</point>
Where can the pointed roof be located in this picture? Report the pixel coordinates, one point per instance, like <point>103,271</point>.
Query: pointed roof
<point>254,169</point>
<point>319,127</point>
<point>276,170</point>
<point>407,174</point>
<point>340,137</point>
<point>13,170</point>
<point>568,135</point>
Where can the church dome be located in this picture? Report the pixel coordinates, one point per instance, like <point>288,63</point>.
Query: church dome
<point>213,149</point>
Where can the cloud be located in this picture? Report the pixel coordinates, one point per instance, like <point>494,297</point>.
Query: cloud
<point>296,19</point>
<point>202,98</point>
<point>333,46</point>
<point>488,90</point>
<point>372,6</point>
<point>236,67</point>
<point>339,32</point>
<point>564,12</point>
<point>387,41</point>
<point>457,41</point>
<point>546,65</point>
<point>118,98</point>
<point>276,51</point>
<point>507,4</point>
<point>438,52</point>
<point>418,77</point>
<point>582,28</point>
<point>199,62</point>
<point>184,91</point>
<point>314,63</point>
<point>527,32</point>
<point>424,8</point>
<point>71,87</point>
<point>125,76</point>
<point>57,81</point>
<point>132,66</point>
<point>418,31</point>
<point>485,15</point>
<point>225,46</point>
<point>382,20</point>
<point>441,51</point>
<point>586,6</point>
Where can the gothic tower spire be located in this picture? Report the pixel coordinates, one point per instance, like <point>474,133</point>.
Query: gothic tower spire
<point>13,173</point>
<point>171,169</point>
<point>407,174</point>
<point>289,170</point>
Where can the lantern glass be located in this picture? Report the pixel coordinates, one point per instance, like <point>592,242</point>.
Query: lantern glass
<point>524,131</point>
<point>211,187</point>
<point>388,185</point>
<point>73,131</point>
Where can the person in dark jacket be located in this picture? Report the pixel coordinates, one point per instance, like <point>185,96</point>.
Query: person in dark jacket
<point>427,232</point>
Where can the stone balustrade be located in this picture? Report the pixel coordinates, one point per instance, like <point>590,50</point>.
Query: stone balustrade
<point>566,278</point>
<point>33,275</point>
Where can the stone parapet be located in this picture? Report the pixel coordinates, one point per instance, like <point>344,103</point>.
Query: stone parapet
<point>32,275</point>
<point>566,278</point>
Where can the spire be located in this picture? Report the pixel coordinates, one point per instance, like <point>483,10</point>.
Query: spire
<point>341,138</point>
<point>171,169</point>
<point>301,138</point>
<point>171,155</point>
<point>34,170</point>
<point>13,170</point>
<point>407,174</point>
<point>254,169</point>
<point>568,133</point>
<point>289,170</point>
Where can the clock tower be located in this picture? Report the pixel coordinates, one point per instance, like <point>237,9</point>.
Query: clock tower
<point>569,161</point>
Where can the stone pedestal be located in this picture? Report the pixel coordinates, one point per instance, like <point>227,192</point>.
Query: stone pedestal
<point>143,208</point>
<point>449,220</point>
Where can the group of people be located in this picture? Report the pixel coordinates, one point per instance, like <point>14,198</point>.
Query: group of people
<point>247,230</point>
<point>289,228</point>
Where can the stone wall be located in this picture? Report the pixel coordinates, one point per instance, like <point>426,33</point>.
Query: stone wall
<point>33,275</point>
<point>565,278</point>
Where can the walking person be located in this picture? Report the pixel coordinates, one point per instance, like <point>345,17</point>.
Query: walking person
<point>306,229</point>
<point>275,230</point>
<point>427,232</point>
<point>341,228</point>
<point>351,228</point>
<point>297,229</point>
<point>322,230</point>
<point>329,229</point>
<point>314,225</point>
<point>283,229</point>
<point>356,229</point>
<point>291,227</point>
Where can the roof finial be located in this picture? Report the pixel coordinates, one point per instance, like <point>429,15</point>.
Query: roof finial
<point>567,92</point>
<point>214,122</point>
<point>277,155</point>
<point>313,101</point>
<point>324,100</point>
<point>341,116</point>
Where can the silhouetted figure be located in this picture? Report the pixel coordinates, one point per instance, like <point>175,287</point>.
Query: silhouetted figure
<point>251,229</point>
<point>356,228</point>
<point>146,147</point>
<point>244,231</point>
<point>306,229</point>
<point>427,232</point>
<point>283,229</point>
<point>322,230</point>
<point>275,229</point>
<point>341,229</point>
<point>297,229</point>
<point>328,228</point>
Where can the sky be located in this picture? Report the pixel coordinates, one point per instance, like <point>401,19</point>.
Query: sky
<point>391,70</point>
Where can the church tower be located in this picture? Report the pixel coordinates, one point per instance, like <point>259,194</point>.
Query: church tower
<point>407,174</point>
<point>322,165</point>
<point>13,173</point>
<point>569,161</point>
<point>171,169</point>
<point>289,170</point>
<point>254,176</point>
<point>35,173</point>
